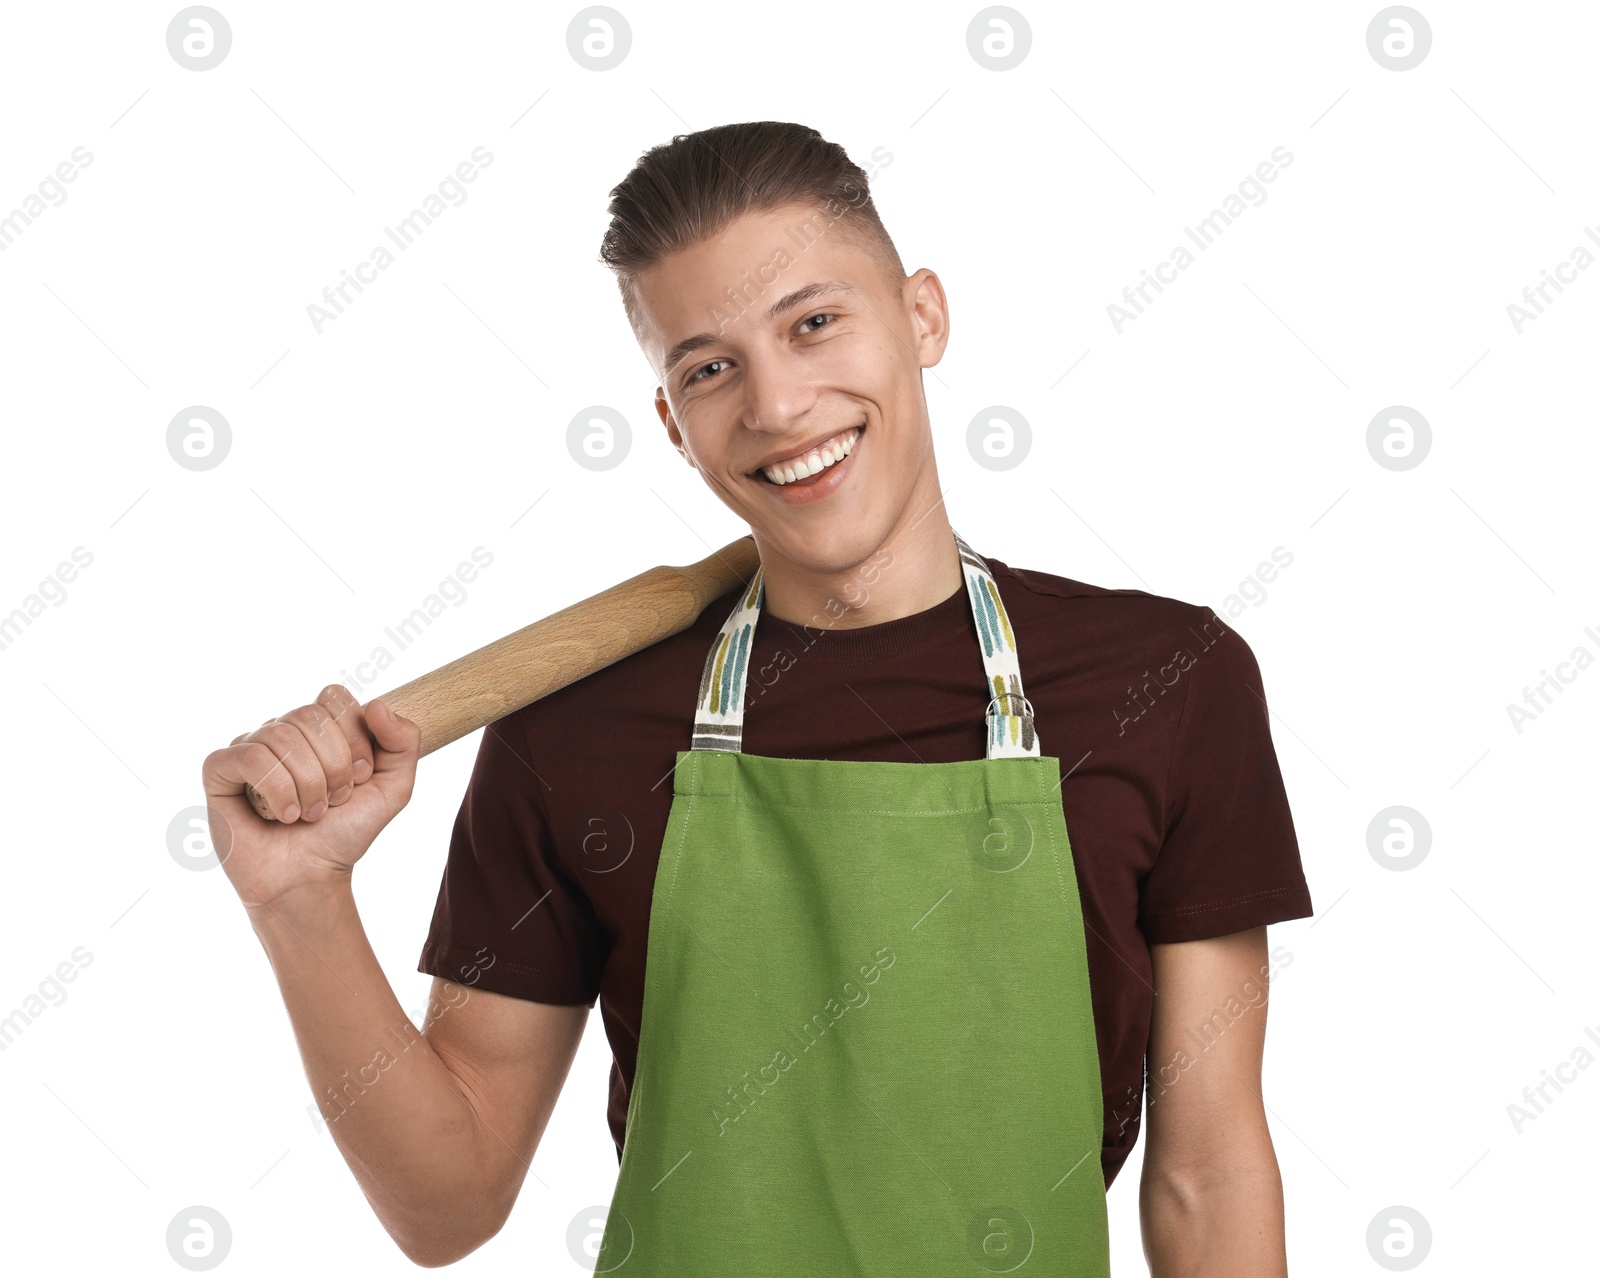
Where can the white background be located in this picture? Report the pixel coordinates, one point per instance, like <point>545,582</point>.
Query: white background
<point>368,460</point>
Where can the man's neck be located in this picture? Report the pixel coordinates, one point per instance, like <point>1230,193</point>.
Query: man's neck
<point>915,568</point>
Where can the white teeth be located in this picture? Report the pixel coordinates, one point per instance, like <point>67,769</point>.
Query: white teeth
<point>814,462</point>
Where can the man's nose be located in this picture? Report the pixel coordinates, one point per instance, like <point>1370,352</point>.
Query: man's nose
<point>778,394</point>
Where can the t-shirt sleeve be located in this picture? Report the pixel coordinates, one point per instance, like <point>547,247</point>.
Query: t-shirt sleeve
<point>1229,859</point>
<point>509,919</point>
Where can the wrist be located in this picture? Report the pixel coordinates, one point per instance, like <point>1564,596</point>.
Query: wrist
<point>313,906</point>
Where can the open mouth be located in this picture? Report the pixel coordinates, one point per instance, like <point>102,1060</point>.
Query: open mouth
<point>806,468</point>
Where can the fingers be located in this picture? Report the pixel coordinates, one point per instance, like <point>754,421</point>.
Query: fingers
<point>312,758</point>
<point>394,733</point>
<point>296,758</point>
<point>253,763</point>
<point>341,704</point>
<point>331,751</point>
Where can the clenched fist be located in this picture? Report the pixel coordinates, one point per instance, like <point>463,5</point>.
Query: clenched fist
<point>330,776</point>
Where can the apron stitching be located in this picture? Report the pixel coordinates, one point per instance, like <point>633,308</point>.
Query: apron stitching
<point>677,856</point>
<point>1055,853</point>
<point>1086,1033</point>
<point>762,804</point>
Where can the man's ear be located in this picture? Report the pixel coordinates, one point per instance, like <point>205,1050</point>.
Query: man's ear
<point>664,411</point>
<point>930,315</point>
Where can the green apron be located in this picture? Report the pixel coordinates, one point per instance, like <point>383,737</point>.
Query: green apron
<point>867,1044</point>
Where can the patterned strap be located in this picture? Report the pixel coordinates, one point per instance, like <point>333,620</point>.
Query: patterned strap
<point>1009,714</point>
<point>719,713</point>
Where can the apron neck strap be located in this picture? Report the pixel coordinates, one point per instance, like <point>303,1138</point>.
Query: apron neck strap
<point>1008,715</point>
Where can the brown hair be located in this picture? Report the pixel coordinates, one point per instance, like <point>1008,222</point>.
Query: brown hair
<point>689,189</point>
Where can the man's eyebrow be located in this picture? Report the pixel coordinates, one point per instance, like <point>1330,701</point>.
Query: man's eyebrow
<point>803,295</point>
<point>799,297</point>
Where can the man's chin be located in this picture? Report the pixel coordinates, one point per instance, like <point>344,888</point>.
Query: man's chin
<point>832,544</point>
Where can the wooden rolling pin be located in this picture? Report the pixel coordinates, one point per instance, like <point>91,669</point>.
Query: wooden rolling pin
<point>591,634</point>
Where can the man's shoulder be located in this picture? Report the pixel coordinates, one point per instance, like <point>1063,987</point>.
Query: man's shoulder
<point>1031,593</point>
<point>1072,630</point>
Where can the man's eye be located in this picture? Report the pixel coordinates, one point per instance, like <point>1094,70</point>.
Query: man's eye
<point>820,316</point>
<point>696,375</point>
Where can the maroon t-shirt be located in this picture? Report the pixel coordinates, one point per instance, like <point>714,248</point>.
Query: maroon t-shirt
<point>1175,808</point>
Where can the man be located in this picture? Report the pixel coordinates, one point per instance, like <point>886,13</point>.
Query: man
<point>881,965</point>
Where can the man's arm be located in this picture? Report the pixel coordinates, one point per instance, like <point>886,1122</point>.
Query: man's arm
<point>1210,1200</point>
<point>438,1127</point>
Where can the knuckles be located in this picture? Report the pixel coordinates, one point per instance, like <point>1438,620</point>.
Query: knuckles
<point>271,776</point>
<point>266,750</point>
<point>310,716</point>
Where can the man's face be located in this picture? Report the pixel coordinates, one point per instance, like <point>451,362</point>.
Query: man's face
<point>770,354</point>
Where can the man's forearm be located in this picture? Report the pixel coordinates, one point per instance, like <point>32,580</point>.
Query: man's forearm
<point>1219,1222</point>
<point>394,1109</point>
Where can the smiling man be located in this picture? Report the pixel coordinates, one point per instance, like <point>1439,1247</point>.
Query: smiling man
<point>892,874</point>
